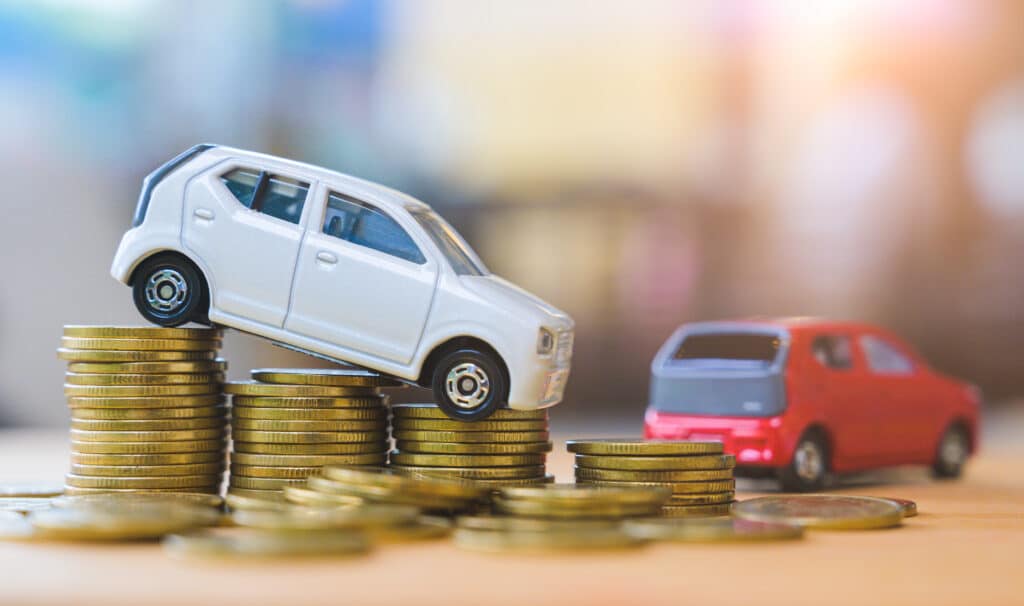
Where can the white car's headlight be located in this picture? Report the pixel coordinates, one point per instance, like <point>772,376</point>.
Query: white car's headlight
<point>545,342</point>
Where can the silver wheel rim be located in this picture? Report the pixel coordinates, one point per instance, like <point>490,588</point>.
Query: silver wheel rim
<point>467,386</point>
<point>953,451</point>
<point>166,291</point>
<point>809,461</point>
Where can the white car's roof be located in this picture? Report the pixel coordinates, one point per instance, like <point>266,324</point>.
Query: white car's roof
<point>352,185</point>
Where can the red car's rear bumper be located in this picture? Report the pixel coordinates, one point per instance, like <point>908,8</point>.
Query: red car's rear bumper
<point>754,440</point>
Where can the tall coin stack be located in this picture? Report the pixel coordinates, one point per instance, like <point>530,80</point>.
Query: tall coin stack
<point>288,423</point>
<point>699,476</point>
<point>509,448</point>
<point>147,412</point>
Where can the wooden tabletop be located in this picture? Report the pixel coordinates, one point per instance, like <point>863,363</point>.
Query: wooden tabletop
<point>965,547</point>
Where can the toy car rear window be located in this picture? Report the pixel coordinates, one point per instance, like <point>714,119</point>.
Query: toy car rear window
<point>729,346</point>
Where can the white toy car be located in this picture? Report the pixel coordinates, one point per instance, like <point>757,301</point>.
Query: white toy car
<point>343,269</point>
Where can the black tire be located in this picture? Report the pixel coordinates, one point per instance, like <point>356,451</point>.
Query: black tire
<point>169,290</point>
<point>477,386</point>
<point>808,469</point>
<point>951,453</point>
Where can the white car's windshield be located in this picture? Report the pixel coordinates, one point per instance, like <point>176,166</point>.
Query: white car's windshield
<point>460,256</point>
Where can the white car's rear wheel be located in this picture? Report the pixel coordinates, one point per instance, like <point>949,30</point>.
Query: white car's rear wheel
<point>469,384</point>
<point>169,291</point>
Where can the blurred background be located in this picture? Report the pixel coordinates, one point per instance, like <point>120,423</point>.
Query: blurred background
<point>639,165</point>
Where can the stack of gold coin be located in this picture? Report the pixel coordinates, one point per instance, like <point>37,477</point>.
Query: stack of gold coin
<point>509,448</point>
<point>147,413</point>
<point>698,475</point>
<point>288,423</point>
<point>573,501</point>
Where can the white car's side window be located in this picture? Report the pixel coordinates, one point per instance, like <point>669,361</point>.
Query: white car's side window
<point>362,224</point>
<point>275,195</point>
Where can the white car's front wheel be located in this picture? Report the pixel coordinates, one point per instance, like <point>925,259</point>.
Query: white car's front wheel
<point>469,384</point>
<point>169,291</point>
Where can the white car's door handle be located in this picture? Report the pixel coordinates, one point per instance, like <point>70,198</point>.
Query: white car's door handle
<point>326,257</point>
<point>204,213</point>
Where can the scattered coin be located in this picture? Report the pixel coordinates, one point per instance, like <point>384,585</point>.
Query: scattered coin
<point>259,544</point>
<point>909,507</point>
<point>576,540</point>
<point>120,521</point>
<point>710,530</point>
<point>837,512</point>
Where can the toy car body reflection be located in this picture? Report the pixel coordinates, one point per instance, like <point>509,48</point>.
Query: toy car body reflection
<point>341,268</point>
<point>800,398</point>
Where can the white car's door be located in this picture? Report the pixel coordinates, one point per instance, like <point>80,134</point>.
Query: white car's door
<point>362,282</point>
<point>246,225</point>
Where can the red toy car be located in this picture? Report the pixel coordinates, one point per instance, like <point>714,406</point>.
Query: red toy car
<point>800,398</point>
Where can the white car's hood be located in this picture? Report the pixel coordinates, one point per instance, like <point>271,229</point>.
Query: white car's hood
<point>506,294</point>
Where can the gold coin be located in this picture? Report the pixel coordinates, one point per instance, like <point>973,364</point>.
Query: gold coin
<point>432,411</point>
<point>534,481</point>
<point>371,401</point>
<point>133,521</point>
<point>73,491</point>
<point>259,471</point>
<point>137,448</point>
<point>259,544</point>
<point>31,489</point>
<point>140,390</point>
<point>134,460</point>
<point>140,344</point>
<point>25,504</point>
<point>308,437</point>
<point>252,388</point>
<point>472,473</point>
<point>389,495</point>
<point>510,524</point>
<point>657,463</point>
<point>273,502</point>
<point>443,460</point>
<point>835,512</point>
<point>148,424</point>
<point>117,499</point>
<point>242,458</point>
<point>140,368</point>
<point>310,414</point>
<point>576,496</point>
<point>389,481</point>
<point>139,380</point>
<point>642,447</point>
<point>539,542</point>
<point>297,519</point>
<point>710,530</point>
<point>148,414</point>
<point>424,528</point>
<point>264,483</point>
<point>324,377</point>
<point>311,498</point>
<point>376,444</point>
<point>191,469</point>
<point>256,493</point>
<point>711,486</point>
<point>82,435</point>
<point>695,511</point>
<point>197,481</point>
<point>696,475</point>
<point>474,449</point>
<point>146,402</point>
<point>541,509</point>
<point>472,437</point>
<point>140,332</point>
<point>106,355</point>
<point>909,507</point>
<point>467,426</point>
<point>701,499</point>
<point>308,426</point>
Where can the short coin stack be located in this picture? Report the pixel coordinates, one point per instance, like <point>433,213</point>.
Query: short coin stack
<point>699,476</point>
<point>288,423</point>
<point>509,448</point>
<point>147,413</point>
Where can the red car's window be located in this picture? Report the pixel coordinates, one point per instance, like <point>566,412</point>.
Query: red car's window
<point>833,351</point>
<point>726,346</point>
<point>884,358</point>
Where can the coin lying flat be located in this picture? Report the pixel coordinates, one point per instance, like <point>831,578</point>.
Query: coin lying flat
<point>252,388</point>
<point>141,332</point>
<point>147,448</point>
<point>213,490</point>
<point>358,517</point>
<point>308,497</point>
<point>620,475</point>
<point>390,481</point>
<point>125,391</point>
<point>148,414</point>
<point>25,504</point>
<point>375,446</point>
<point>145,402</point>
<point>838,512</point>
<point>657,463</point>
<point>909,507</point>
<point>432,411</point>
<point>188,469</point>
<point>105,344</point>
<point>136,368</point>
<point>309,402</point>
<point>577,540</point>
<point>31,489</point>
<point>711,486</point>
<point>235,543</point>
<point>710,530</point>
<point>385,494</point>
<point>237,502</point>
<point>178,482</point>
<point>323,377</point>
<point>423,528</point>
<point>273,494</point>
<point>130,521</point>
<point>403,424</point>
<point>472,437</point>
<point>149,424</point>
<point>472,473</point>
<point>443,460</point>
<point>261,471</point>
<point>122,499</point>
<point>310,414</point>
<point>82,378</point>
<point>539,509</point>
<point>574,495</point>
<point>120,437</point>
<point>690,511</point>
<point>238,481</point>
<point>99,355</point>
<point>474,449</point>
<point>308,437</point>
<point>308,426</point>
<point>494,484</point>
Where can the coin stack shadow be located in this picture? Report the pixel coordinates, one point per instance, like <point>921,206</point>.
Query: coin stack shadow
<point>288,423</point>
<point>147,410</point>
<point>507,449</point>
<point>699,476</point>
